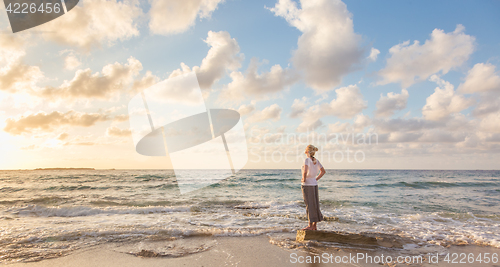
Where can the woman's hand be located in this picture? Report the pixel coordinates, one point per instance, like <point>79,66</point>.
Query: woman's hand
<point>322,172</point>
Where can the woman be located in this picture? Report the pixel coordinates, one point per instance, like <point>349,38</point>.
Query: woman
<point>310,187</point>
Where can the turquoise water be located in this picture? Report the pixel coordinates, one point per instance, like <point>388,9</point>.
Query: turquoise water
<point>46,213</point>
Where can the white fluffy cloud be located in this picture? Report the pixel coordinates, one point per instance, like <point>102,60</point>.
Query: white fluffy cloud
<point>360,122</point>
<point>374,54</point>
<point>488,104</point>
<point>47,122</point>
<point>458,128</point>
<point>113,79</point>
<point>114,131</point>
<point>444,101</point>
<point>272,112</point>
<point>246,109</point>
<point>255,85</point>
<point>409,64</point>
<point>173,16</point>
<point>298,107</point>
<point>328,48</point>
<point>348,103</point>
<point>18,76</point>
<point>15,76</point>
<point>71,62</point>
<point>387,105</point>
<point>481,78</point>
<point>404,125</point>
<point>491,123</point>
<point>146,81</point>
<point>94,23</point>
<point>223,55</point>
<point>11,47</point>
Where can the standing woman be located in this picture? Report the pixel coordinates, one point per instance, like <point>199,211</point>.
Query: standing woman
<point>310,176</point>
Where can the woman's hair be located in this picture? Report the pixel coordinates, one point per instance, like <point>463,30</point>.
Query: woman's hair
<point>311,150</point>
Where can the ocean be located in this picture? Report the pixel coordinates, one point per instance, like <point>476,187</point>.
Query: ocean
<point>46,214</point>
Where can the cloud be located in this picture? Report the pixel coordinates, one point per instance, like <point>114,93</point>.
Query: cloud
<point>488,104</point>
<point>114,131</point>
<point>338,127</point>
<point>113,79</point>
<point>272,112</point>
<point>454,130</point>
<point>94,23</point>
<point>80,141</point>
<point>223,54</point>
<point>348,103</point>
<point>360,122</point>
<point>47,122</point>
<point>89,143</point>
<point>170,16</point>
<point>19,77</point>
<point>387,105</point>
<point>491,123</point>
<point>256,85</point>
<point>404,125</point>
<point>374,54</point>
<point>15,76</point>
<point>400,137</point>
<point>298,107</point>
<point>71,62</point>
<point>145,82</point>
<point>12,47</point>
<point>120,118</point>
<point>246,109</point>
<point>444,102</point>
<point>328,48</point>
<point>30,147</point>
<point>409,64</point>
<point>481,78</point>
<point>62,136</point>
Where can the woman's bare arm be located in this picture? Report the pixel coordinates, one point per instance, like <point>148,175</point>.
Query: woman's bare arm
<point>322,172</point>
<point>304,173</point>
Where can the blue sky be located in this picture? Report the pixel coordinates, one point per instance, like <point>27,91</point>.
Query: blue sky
<point>260,32</point>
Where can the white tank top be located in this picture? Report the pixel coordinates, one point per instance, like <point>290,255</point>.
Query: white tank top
<point>312,171</point>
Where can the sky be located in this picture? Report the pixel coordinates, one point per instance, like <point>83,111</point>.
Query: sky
<point>372,84</point>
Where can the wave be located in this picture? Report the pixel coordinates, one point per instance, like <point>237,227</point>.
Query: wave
<point>427,185</point>
<point>77,211</point>
<point>9,189</point>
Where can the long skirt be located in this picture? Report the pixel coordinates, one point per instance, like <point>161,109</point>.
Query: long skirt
<point>311,198</point>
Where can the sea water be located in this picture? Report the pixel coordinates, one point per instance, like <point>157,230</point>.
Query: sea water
<point>45,214</point>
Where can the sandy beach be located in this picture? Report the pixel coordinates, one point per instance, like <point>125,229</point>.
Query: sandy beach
<point>252,251</point>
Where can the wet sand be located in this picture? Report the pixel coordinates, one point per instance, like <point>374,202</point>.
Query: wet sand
<point>240,251</point>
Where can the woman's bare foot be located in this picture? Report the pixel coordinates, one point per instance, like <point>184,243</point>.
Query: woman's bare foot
<point>308,228</point>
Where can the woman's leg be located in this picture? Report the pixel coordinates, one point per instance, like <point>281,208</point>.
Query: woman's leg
<point>319,214</point>
<point>306,192</point>
<point>314,212</point>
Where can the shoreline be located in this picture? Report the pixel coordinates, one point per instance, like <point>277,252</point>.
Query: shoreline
<point>250,169</point>
<point>250,251</point>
